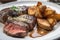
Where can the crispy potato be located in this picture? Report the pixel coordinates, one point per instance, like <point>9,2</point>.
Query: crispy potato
<point>31,10</point>
<point>52,21</point>
<point>34,11</point>
<point>49,12</point>
<point>42,31</point>
<point>57,16</point>
<point>42,23</point>
<point>39,4</point>
<point>42,8</point>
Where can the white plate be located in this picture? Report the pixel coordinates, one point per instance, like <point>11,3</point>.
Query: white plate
<point>52,35</point>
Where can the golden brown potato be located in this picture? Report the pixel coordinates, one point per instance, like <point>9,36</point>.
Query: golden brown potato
<point>42,23</point>
<point>42,8</point>
<point>39,3</point>
<point>31,10</point>
<point>52,21</point>
<point>42,31</point>
<point>34,11</point>
<point>49,12</point>
<point>57,16</point>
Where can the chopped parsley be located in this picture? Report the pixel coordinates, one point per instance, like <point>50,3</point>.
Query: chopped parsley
<point>15,8</point>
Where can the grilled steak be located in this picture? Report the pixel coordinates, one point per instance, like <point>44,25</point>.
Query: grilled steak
<point>19,26</point>
<point>30,20</point>
<point>13,12</point>
<point>3,15</point>
<point>17,22</point>
<point>16,29</point>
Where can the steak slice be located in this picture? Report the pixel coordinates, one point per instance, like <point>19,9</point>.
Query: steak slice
<point>30,20</point>
<point>16,30</point>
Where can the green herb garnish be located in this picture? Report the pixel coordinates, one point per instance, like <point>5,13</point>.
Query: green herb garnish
<point>15,8</point>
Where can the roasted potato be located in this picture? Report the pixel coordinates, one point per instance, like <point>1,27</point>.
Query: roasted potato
<point>48,12</point>
<point>42,23</point>
<point>57,16</point>
<point>42,8</point>
<point>34,11</point>
<point>52,21</point>
<point>31,10</point>
<point>42,31</point>
<point>39,4</point>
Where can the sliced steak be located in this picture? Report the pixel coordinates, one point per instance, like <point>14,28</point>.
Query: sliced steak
<point>30,20</point>
<point>3,15</point>
<point>16,29</point>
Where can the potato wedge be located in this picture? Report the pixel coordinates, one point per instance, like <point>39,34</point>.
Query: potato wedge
<point>49,12</point>
<point>52,21</point>
<point>34,11</point>
<point>42,23</point>
<point>42,8</point>
<point>57,16</point>
<point>42,31</point>
<point>31,10</point>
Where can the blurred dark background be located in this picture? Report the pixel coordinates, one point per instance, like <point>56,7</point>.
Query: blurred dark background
<point>6,1</point>
<point>55,1</point>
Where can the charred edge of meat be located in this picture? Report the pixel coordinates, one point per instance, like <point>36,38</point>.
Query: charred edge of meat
<point>3,16</point>
<point>13,13</point>
<point>15,36</point>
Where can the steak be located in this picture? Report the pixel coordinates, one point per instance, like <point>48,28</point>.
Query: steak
<point>3,15</point>
<point>16,29</point>
<point>17,25</point>
<point>30,20</point>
